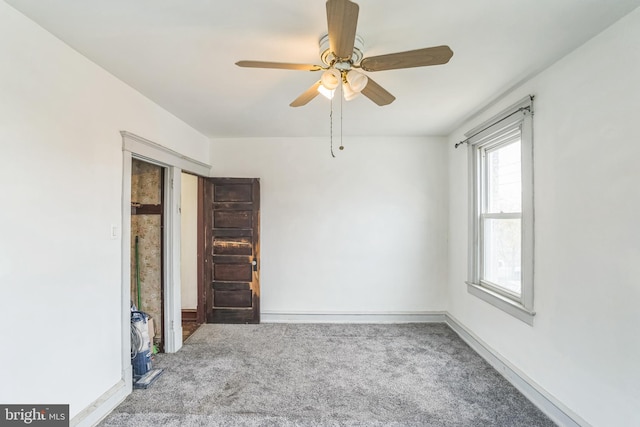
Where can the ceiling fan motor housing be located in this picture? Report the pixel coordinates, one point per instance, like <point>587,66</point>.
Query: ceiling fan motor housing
<point>329,58</point>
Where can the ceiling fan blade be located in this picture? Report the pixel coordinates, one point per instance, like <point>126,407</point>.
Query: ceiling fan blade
<point>412,58</point>
<point>279,65</point>
<point>377,93</point>
<point>342,20</point>
<point>307,96</point>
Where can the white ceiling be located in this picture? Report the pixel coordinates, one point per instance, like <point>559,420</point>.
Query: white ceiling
<point>181,54</point>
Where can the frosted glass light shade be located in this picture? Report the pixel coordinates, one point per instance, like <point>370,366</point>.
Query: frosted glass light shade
<point>348,93</point>
<point>331,79</point>
<point>357,81</point>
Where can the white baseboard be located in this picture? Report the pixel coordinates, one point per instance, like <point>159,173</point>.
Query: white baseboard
<point>364,317</point>
<point>548,404</point>
<point>94,413</point>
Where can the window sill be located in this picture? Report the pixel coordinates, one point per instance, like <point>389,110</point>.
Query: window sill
<point>511,307</point>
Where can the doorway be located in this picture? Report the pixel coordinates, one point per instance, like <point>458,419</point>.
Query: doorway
<point>147,245</point>
<point>192,307</point>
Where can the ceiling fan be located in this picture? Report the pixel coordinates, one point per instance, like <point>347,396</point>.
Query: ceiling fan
<point>341,53</point>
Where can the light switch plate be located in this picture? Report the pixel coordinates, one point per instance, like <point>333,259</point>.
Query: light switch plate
<point>114,231</point>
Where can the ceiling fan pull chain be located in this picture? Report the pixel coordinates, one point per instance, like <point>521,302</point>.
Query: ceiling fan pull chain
<point>331,126</point>
<point>341,104</point>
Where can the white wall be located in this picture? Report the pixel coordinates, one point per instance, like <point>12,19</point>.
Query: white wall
<point>584,347</point>
<point>189,242</point>
<point>364,232</point>
<point>61,190</point>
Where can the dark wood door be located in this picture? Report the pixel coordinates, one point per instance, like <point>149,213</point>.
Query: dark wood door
<point>232,253</point>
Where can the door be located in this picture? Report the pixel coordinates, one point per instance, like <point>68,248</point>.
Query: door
<point>232,251</point>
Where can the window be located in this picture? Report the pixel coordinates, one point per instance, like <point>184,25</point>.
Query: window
<point>501,211</point>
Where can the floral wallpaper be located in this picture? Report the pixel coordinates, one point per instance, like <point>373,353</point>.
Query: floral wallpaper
<point>145,183</point>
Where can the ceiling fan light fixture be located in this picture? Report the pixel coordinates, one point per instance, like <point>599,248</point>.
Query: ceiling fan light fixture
<point>357,81</point>
<point>331,79</point>
<point>348,93</point>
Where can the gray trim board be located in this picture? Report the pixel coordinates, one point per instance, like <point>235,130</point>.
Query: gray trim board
<point>337,317</point>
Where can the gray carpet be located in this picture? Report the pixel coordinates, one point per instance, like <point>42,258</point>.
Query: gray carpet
<point>326,375</point>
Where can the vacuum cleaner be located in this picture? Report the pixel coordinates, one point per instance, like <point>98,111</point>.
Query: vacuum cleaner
<point>143,375</point>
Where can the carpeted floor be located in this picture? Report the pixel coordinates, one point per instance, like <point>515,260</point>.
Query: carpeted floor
<point>326,375</point>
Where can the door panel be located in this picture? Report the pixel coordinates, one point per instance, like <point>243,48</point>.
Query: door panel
<point>232,298</point>
<point>230,286</point>
<point>232,272</point>
<point>232,218</point>
<point>232,246</point>
<point>233,251</point>
<point>234,192</point>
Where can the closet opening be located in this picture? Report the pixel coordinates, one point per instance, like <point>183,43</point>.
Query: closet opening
<point>147,246</point>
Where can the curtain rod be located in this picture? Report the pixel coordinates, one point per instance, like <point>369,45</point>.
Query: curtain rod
<point>466,141</point>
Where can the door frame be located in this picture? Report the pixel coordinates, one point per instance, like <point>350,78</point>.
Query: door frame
<point>202,249</point>
<point>134,146</point>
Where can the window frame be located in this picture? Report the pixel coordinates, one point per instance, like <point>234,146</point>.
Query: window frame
<point>492,134</point>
